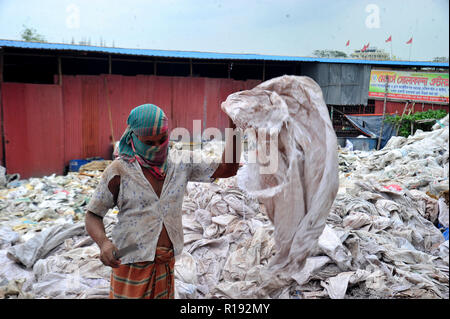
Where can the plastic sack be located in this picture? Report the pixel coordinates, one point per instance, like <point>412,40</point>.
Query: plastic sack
<point>298,195</point>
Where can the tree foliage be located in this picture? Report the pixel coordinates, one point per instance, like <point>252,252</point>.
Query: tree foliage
<point>405,122</point>
<point>31,35</point>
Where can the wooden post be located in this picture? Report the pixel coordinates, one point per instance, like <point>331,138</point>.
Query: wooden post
<point>190,67</point>
<point>3,158</point>
<point>59,71</point>
<point>109,64</point>
<point>105,82</point>
<point>401,118</point>
<point>264,71</point>
<point>412,123</point>
<point>384,112</point>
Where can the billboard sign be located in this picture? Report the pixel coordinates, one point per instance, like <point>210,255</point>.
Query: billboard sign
<point>413,86</point>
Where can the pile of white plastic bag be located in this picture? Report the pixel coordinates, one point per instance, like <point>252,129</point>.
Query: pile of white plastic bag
<point>380,239</point>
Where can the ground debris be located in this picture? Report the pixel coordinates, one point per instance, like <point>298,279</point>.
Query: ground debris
<point>380,240</point>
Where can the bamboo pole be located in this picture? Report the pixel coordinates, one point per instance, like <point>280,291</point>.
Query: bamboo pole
<point>2,116</point>
<point>384,112</point>
<point>109,111</point>
<point>59,71</point>
<point>401,118</point>
<point>412,123</point>
<point>264,71</point>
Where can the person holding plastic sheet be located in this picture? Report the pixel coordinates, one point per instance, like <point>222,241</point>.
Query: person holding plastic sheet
<point>148,186</point>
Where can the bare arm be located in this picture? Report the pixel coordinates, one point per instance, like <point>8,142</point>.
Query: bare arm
<point>96,229</point>
<point>229,166</point>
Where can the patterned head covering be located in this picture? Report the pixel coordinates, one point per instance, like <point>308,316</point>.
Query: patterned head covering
<point>146,120</point>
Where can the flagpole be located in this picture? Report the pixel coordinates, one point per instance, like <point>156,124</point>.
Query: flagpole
<point>410,48</point>
<point>391,50</point>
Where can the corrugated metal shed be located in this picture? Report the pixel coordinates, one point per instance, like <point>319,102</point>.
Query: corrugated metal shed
<point>341,84</point>
<point>204,55</point>
<point>47,125</point>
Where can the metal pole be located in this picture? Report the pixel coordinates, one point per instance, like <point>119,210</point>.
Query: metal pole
<point>384,111</point>
<point>391,51</point>
<point>410,51</point>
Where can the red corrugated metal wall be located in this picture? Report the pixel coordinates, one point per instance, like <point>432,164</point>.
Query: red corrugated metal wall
<point>49,125</point>
<point>2,161</point>
<point>34,134</point>
<point>397,107</point>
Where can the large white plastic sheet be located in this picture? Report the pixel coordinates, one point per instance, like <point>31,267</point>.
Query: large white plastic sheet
<point>299,194</point>
<point>380,240</point>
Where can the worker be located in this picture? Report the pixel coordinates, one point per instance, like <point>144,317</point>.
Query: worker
<point>148,186</point>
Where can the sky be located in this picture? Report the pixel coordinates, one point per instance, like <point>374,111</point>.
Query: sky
<point>273,27</point>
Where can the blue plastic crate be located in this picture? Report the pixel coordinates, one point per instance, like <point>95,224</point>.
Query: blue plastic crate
<point>74,165</point>
<point>359,144</point>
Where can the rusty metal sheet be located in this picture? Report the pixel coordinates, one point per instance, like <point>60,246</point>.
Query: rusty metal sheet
<point>72,105</point>
<point>211,106</point>
<point>2,160</point>
<point>34,132</point>
<point>119,113</point>
<point>90,116</point>
<point>188,101</point>
<point>159,92</point>
<point>80,110</point>
<point>393,107</point>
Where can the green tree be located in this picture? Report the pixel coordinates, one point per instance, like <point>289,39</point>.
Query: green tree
<point>31,35</point>
<point>403,124</point>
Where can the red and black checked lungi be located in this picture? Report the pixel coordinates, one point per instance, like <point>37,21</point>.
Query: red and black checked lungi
<point>147,280</point>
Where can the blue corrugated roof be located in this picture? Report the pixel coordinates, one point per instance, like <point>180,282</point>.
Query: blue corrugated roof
<point>205,55</point>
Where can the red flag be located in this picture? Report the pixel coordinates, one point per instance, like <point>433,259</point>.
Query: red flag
<point>409,42</point>
<point>348,43</point>
<point>365,47</point>
<point>389,39</point>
